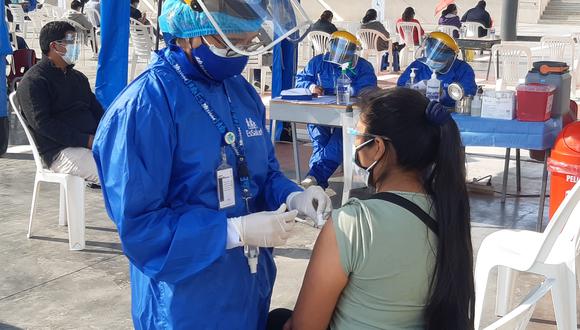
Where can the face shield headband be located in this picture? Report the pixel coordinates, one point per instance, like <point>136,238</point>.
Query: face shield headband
<point>436,55</point>
<point>269,22</point>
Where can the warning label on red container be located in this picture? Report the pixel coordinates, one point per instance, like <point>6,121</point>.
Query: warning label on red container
<point>572,178</point>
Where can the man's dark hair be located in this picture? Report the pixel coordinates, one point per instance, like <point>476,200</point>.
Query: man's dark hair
<point>133,1</point>
<point>481,4</point>
<point>53,31</point>
<point>76,5</point>
<point>326,16</point>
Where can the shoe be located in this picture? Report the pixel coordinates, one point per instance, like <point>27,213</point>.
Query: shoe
<point>309,181</point>
<point>286,135</point>
<point>93,185</point>
<point>258,85</point>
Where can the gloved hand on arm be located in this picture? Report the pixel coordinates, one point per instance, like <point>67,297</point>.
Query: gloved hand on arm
<point>262,229</point>
<point>313,203</point>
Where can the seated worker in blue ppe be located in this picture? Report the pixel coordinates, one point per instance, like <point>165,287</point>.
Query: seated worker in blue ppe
<point>320,75</point>
<point>189,174</point>
<point>439,54</point>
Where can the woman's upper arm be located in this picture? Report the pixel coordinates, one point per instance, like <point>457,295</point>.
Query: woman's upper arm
<point>323,283</point>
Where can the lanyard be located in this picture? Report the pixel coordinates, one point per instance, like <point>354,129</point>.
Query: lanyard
<point>227,137</point>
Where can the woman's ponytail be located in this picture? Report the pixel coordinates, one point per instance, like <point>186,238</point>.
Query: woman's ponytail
<point>451,305</point>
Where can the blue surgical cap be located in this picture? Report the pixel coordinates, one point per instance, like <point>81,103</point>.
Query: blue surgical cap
<point>181,21</point>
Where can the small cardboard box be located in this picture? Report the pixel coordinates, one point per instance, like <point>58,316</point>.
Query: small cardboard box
<point>499,105</point>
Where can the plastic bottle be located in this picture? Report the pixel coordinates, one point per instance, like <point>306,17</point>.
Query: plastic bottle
<point>492,33</point>
<point>343,86</point>
<point>433,88</point>
<point>412,76</point>
<point>476,103</point>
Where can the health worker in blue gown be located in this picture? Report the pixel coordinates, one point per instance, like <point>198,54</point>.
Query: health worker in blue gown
<point>320,76</point>
<point>439,54</point>
<point>189,174</point>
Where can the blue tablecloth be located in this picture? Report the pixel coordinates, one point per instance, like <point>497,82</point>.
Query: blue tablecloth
<point>485,132</point>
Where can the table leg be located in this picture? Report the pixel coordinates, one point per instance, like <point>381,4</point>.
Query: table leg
<point>518,172</point>
<point>543,192</point>
<point>296,153</point>
<point>392,56</point>
<point>273,131</point>
<point>489,66</point>
<point>506,169</point>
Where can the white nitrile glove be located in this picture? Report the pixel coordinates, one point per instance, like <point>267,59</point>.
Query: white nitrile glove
<point>263,229</point>
<point>312,202</point>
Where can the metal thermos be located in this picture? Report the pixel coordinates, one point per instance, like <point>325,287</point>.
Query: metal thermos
<point>463,106</point>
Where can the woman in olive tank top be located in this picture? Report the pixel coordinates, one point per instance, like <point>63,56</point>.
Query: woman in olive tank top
<point>401,259</point>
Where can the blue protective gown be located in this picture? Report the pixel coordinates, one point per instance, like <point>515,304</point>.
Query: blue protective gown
<point>460,72</point>
<point>157,153</point>
<point>327,141</point>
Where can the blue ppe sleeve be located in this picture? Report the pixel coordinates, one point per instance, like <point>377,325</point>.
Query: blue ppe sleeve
<point>277,186</point>
<point>365,77</point>
<point>113,66</point>
<point>308,76</point>
<point>466,78</point>
<point>5,49</point>
<point>134,148</point>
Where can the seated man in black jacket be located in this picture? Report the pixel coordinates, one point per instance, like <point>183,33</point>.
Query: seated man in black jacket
<point>59,106</point>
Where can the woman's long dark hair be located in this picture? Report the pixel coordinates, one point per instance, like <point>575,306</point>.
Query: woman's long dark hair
<point>408,14</point>
<point>450,9</point>
<point>436,152</point>
<point>370,15</point>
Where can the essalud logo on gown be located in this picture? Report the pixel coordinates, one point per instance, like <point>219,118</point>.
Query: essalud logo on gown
<point>253,129</point>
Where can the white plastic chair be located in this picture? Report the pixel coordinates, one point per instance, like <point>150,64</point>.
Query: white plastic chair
<point>448,29</point>
<point>369,40</point>
<point>142,42</point>
<point>305,54</point>
<point>94,17</point>
<point>472,29</point>
<point>319,41</point>
<point>561,49</point>
<point>255,62</point>
<point>514,62</point>
<point>520,316</point>
<point>552,254</point>
<point>408,29</point>
<point>18,19</point>
<point>576,37</point>
<point>72,191</point>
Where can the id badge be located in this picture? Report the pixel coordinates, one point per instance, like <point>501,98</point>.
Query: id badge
<point>225,185</point>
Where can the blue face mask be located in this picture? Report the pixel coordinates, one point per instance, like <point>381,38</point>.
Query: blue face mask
<point>218,67</point>
<point>72,53</point>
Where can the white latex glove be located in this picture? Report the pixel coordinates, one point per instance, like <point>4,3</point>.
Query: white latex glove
<point>263,229</point>
<point>313,203</point>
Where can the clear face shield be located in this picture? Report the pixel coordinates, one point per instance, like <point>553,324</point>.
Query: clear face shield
<point>251,27</point>
<point>341,51</point>
<point>436,55</point>
<point>72,44</point>
<point>355,178</point>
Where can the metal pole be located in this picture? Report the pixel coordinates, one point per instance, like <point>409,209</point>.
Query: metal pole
<point>159,5</point>
<point>509,20</point>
